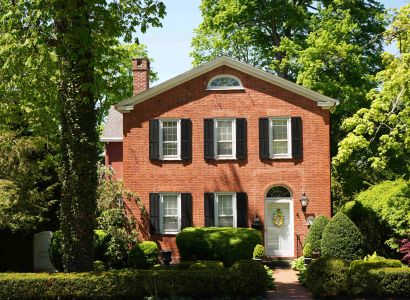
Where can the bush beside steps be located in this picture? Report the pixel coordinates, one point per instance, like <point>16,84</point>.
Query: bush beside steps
<point>243,280</point>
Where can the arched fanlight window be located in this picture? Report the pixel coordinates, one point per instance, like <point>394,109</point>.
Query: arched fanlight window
<point>225,82</point>
<point>278,192</point>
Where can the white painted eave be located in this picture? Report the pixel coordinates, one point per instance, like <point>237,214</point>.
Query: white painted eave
<point>324,102</point>
<point>111,139</point>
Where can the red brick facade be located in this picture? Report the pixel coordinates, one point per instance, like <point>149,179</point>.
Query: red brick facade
<point>310,175</point>
<point>114,157</point>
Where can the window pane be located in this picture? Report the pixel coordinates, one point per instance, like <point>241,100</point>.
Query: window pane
<point>170,223</point>
<point>224,137</point>
<point>280,129</point>
<point>225,221</point>
<point>224,82</point>
<point>280,147</point>
<point>170,212</point>
<point>224,148</point>
<point>169,138</point>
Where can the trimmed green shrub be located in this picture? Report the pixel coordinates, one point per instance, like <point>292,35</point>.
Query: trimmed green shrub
<point>137,284</point>
<point>143,256</point>
<point>259,251</point>
<point>224,244</point>
<point>389,200</point>
<point>56,250</point>
<point>341,238</point>
<point>375,230</point>
<point>200,265</point>
<point>150,250</point>
<point>391,281</point>
<point>246,269</point>
<point>307,250</point>
<point>270,281</point>
<point>314,236</point>
<point>360,280</point>
<point>327,276</point>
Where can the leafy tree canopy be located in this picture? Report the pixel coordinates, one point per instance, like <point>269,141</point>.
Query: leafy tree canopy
<point>377,146</point>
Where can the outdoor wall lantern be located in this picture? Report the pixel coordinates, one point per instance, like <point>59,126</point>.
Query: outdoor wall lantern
<point>304,201</point>
<point>310,220</point>
<point>256,224</point>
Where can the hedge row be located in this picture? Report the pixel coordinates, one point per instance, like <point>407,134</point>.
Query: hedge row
<point>224,244</point>
<point>243,279</point>
<point>329,276</point>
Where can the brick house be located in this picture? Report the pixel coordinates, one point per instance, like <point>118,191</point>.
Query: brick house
<point>227,144</point>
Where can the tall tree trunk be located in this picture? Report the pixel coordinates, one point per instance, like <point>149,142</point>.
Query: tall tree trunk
<point>78,133</point>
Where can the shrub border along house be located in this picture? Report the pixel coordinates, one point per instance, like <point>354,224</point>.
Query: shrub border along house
<point>243,279</point>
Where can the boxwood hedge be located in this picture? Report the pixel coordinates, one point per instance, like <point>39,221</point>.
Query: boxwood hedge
<point>136,284</point>
<point>224,244</point>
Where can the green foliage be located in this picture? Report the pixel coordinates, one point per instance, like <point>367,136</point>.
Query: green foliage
<point>137,284</point>
<point>375,230</point>
<point>98,266</point>
<point>389,201</point>
<point>379,276</point>
<point>270,281</point>
<point>259,251</point>
<point>342,239</point>
<point>200,265</point>
<point>377,144</point>
<point>101,240</point>
<point>112,218</point>
<point>150,250</point>
<point>327,276</point>
<point>245,269</point>
<point>56,250</point>
<point>307,250</point>
<point>298,264</point>
<point>28,183</point>
<point>217,243</point>
<point>143,256</point>
<point>314,236</point>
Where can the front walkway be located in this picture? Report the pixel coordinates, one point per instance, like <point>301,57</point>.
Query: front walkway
<point>287,286</point>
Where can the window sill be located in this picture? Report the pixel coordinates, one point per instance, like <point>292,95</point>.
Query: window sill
<point>170,233</point>
<point>225,158</point>
<point>170,159</point>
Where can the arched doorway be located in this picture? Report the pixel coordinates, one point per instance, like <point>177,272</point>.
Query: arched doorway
<point>279,222</point>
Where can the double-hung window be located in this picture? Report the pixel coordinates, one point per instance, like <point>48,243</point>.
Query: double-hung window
<point>170,213</point>
<point>280,137</point>
<point>170,139</point>
<point>225,133</point>
<point>225,209</point>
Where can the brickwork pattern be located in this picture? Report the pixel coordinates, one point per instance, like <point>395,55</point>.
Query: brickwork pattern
<point>253,176</point>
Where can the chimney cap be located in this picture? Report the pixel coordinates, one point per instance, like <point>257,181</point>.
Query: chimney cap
<point>140,63</point>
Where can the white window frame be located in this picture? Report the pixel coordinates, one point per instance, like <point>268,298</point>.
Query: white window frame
<point>234,210</point>
<point>161,142</point>
<point>161,213</point>
<point>214,88</point>
<point>289,139</point>
<point>230,156</point>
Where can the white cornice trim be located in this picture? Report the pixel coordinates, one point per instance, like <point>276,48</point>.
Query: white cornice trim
<point>111,139</point>
<point>324,102</point>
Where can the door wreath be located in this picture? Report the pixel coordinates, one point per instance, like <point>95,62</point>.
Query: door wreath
<point>278,218</point>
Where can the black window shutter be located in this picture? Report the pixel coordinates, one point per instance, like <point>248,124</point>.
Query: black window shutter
<point>154,212</point>
<point>209,139</point>
<point>186,139</point>
<point>209,201</point>
<point>297,137</point>
<point>241,210</point>
<point>264,138</point>
<point>154,139</point>
<point>241,148</point>
<point>186,210</point>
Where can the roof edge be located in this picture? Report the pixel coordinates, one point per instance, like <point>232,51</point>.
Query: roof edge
<point>128,104</point>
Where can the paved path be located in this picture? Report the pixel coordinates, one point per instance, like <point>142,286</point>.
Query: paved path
<point>287,286</point>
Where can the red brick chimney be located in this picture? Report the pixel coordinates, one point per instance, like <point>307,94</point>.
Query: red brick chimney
<point>140,73</point>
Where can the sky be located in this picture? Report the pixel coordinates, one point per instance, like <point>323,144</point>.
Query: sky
<point>169,46</point>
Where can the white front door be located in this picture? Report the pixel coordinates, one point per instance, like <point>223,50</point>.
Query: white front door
<point>279,227</point>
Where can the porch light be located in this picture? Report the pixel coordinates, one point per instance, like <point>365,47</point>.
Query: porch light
<point>310,220</point>
<point>304,201</point>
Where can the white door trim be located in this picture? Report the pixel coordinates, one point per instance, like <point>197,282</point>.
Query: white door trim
<point>291,222</point>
